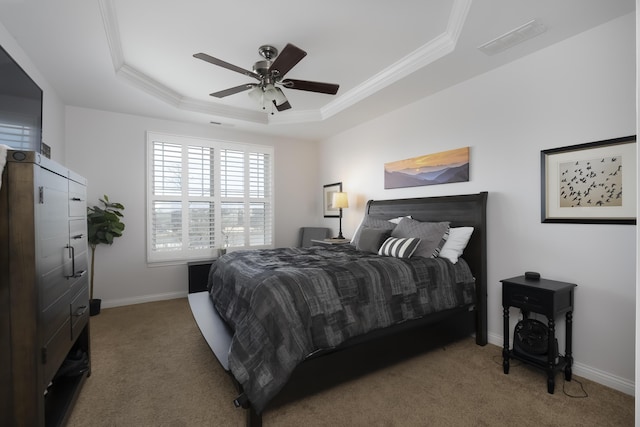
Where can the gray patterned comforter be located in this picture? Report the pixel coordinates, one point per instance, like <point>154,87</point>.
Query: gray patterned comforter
<point>284,304</point>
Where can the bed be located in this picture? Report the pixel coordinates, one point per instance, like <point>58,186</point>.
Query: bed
<point>265,312</point>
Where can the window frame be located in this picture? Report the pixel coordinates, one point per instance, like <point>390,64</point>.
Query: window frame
<point>185,254</point>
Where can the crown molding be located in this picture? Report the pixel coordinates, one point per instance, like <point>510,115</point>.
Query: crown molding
<point>170,96</point>
<point>223,112</point>
<point>112,31</point>
<point>457,18</point>
<point>149,85</point>
<point>428,53</point>
<point>296,116</point>
<point>435,49</point>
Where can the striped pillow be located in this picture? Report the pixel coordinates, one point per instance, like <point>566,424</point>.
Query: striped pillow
<point>402,247</point>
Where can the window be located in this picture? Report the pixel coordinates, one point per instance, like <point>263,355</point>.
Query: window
<point>203,195</point>
<point>19,132</point>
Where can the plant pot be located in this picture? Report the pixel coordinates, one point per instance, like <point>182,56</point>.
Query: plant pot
<point>94,307</point>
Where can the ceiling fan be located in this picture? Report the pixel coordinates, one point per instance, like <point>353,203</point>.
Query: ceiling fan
<point>269,73</point>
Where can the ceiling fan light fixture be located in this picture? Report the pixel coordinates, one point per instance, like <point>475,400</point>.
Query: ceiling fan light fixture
<point>256,94</point>
<point>274,94</point>
<point>270,92</point>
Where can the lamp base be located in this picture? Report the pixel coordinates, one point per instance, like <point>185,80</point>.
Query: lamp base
<point>340,236</point>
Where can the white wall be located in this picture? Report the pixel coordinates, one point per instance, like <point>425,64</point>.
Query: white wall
<point>109,150</point>
<point>579,91</point>
<point>52,109</point>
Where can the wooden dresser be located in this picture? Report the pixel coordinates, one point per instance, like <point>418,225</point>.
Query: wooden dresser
<point>44,292</point>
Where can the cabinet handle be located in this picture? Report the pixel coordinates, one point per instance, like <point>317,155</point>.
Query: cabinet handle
<point>74,274</point>
<point>80,311</point>
<point>76,199</point>
<point>79,273</point>
<point>77,236</point>
<point>72,255</point>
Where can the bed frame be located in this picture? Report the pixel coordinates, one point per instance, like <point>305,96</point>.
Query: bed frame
<point>462,210</point>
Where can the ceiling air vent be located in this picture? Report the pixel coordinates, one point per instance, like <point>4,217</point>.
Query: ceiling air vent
<point>513,37</point>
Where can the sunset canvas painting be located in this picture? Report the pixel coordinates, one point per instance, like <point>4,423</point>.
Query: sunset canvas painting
<point>431,169</point>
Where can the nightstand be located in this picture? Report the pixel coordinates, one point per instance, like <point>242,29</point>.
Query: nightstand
<point>549,298</point>
<point>331,241</point>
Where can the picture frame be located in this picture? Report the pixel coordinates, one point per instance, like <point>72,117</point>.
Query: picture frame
<point>591,183</point>
<point>327,200</point>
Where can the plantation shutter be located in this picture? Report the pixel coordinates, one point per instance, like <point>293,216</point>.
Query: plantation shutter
<point>204,195</point>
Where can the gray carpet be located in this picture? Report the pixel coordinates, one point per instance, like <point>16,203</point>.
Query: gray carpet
<point>151,367</point>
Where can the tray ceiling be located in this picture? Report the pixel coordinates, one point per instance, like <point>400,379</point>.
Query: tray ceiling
<point>135,56</point>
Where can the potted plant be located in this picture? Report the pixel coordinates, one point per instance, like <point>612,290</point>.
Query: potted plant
<point>103,225</point>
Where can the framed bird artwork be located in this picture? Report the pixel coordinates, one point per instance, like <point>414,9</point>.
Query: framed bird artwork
<point>592,183</point>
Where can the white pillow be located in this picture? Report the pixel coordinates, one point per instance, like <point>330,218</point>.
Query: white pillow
<point>397,220</point>
<point>455,244</point>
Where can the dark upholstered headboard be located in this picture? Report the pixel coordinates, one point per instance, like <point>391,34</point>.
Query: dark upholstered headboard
<point>464,210</point>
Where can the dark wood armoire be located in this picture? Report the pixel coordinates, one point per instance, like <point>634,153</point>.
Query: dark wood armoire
<point>44,293</point>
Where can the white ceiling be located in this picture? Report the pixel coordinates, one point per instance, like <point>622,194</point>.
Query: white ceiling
<point>135,56</point>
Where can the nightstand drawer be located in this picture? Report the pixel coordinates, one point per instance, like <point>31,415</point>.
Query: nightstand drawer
<point>528,300</point>
<point>539,296</point>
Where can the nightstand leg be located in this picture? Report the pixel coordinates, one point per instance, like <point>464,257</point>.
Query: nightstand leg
<point>505,348</point>
<point>551,360</point>
<point>568,350</point>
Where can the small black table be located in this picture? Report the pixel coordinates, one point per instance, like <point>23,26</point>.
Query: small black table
<point>331,241</point>
<point>549,298</point>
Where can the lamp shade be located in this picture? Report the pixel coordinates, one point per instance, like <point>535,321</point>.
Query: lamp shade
<point>340,200</point>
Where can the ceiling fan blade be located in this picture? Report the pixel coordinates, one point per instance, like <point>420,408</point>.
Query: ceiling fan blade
<point>287,59</point>
<point>280,101</point>
<point>282,107</point>
<point>232,90</point>
<point>223,64</point>
<point>328,88</point>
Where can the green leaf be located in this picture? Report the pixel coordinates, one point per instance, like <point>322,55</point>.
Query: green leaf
<point>104,222</point>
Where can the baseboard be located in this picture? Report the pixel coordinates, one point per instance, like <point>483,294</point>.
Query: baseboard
<point>609,380</point>
<point>140,300</point>
<point>613,381</point>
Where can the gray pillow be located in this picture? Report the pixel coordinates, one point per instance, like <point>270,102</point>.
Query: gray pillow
<point>371,239</point>
<point>371,222</point>
<point>432,235</point>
